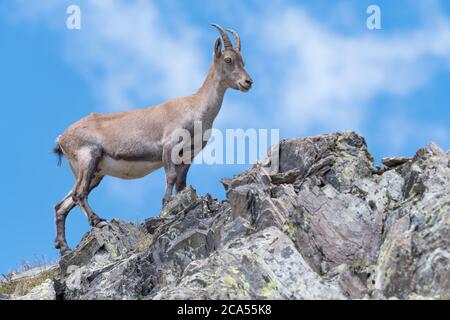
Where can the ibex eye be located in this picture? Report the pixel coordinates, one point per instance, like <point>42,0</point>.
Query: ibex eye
<point>228,60</point>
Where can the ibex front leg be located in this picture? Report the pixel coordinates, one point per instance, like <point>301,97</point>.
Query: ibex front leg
<point>182,171</point>
<point>171,173</point>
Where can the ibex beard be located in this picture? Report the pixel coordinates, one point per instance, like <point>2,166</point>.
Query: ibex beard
<point>132,144</point>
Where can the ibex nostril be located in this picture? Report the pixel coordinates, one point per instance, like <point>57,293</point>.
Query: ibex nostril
<point>249,82</point>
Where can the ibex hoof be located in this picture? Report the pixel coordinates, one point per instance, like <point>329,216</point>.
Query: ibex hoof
<point>64,252</point>
<point>166,200</point>
<point>63,249</point>
<point>101,224</point>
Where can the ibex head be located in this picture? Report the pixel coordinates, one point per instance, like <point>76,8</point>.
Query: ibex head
<point>229,62</point>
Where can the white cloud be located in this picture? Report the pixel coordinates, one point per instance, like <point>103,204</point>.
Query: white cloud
<point>129,55</point>
<point>34,11</point>
<point>126,51</point>
<point>329,79</point>
<point>137,55</point>
<point>324,80</point>
<point>309,76</point>
<point>403,131</point>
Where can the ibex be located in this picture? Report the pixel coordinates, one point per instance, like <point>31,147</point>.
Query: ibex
<point>132,144</point>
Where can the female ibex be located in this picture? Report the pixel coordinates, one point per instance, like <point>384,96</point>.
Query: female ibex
<point>132,144</point>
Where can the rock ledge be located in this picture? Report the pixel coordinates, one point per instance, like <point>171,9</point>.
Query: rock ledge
<point>326,225</point>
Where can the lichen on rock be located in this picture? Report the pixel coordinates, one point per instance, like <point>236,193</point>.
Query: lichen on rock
<point>325,225</point>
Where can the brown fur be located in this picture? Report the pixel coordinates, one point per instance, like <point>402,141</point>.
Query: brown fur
<point>134,143</point>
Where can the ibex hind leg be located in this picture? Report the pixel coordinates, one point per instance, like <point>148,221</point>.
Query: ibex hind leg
<point>62,210</point>
<point>88,178</point>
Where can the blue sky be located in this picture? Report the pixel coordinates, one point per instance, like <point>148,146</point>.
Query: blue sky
<point>316,67</point>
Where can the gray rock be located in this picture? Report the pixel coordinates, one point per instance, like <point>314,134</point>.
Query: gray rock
<point>328,222</point>
<point>336,228</point>
<point>351,283</point>
<point>109,243</point>
<point>319,223</point>
<point>44,291</point>
<point>33,272</point>
<point>124,279</point>
<point>37,283</point>
<point>391,162</point>
<point>414,257</point>
<point>265,265</point>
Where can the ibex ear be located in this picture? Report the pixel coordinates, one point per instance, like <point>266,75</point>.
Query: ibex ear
<point>218,48</point>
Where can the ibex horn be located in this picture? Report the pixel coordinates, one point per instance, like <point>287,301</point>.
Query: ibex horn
<point>237,41</point>
<point>226,40</point>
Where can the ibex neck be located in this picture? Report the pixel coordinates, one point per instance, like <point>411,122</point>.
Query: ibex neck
<point>211,93</point>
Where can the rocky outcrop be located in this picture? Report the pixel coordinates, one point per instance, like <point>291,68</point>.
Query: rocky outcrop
<point>44,291</point>
<point>325,224</point>
<point>31,284</point>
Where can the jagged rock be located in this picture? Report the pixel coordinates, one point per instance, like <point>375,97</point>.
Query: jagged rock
<point>351,283</point>
<point>32,273</point>
<point>187,200</point>
<point>44,291</point>
<point>103,245</point>
<point>391,162</point>
<point>127,278</point>
<point>95,270</point>
<point>414,258</point>
<point>313,220</point>
<point>264,265</point>
<point>32,284</point>
<point>329,224</point>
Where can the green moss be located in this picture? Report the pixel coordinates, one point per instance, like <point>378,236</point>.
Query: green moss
<point>23,286</point>
<point>235,270</point>
<point>358,264</point>
<point>289,228</point>
<point>113,251</point>
<point>341,268</point>
<point>145,243</point>
<point>388,274</point>
<point>428,218</point>
<point>7,288</point>
<point>164,213</point>
<point>271,287</point>
<point>237,281</point>
<point>230,280</point>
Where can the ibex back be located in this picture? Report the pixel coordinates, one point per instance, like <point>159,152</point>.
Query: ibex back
<point>132,144</point>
